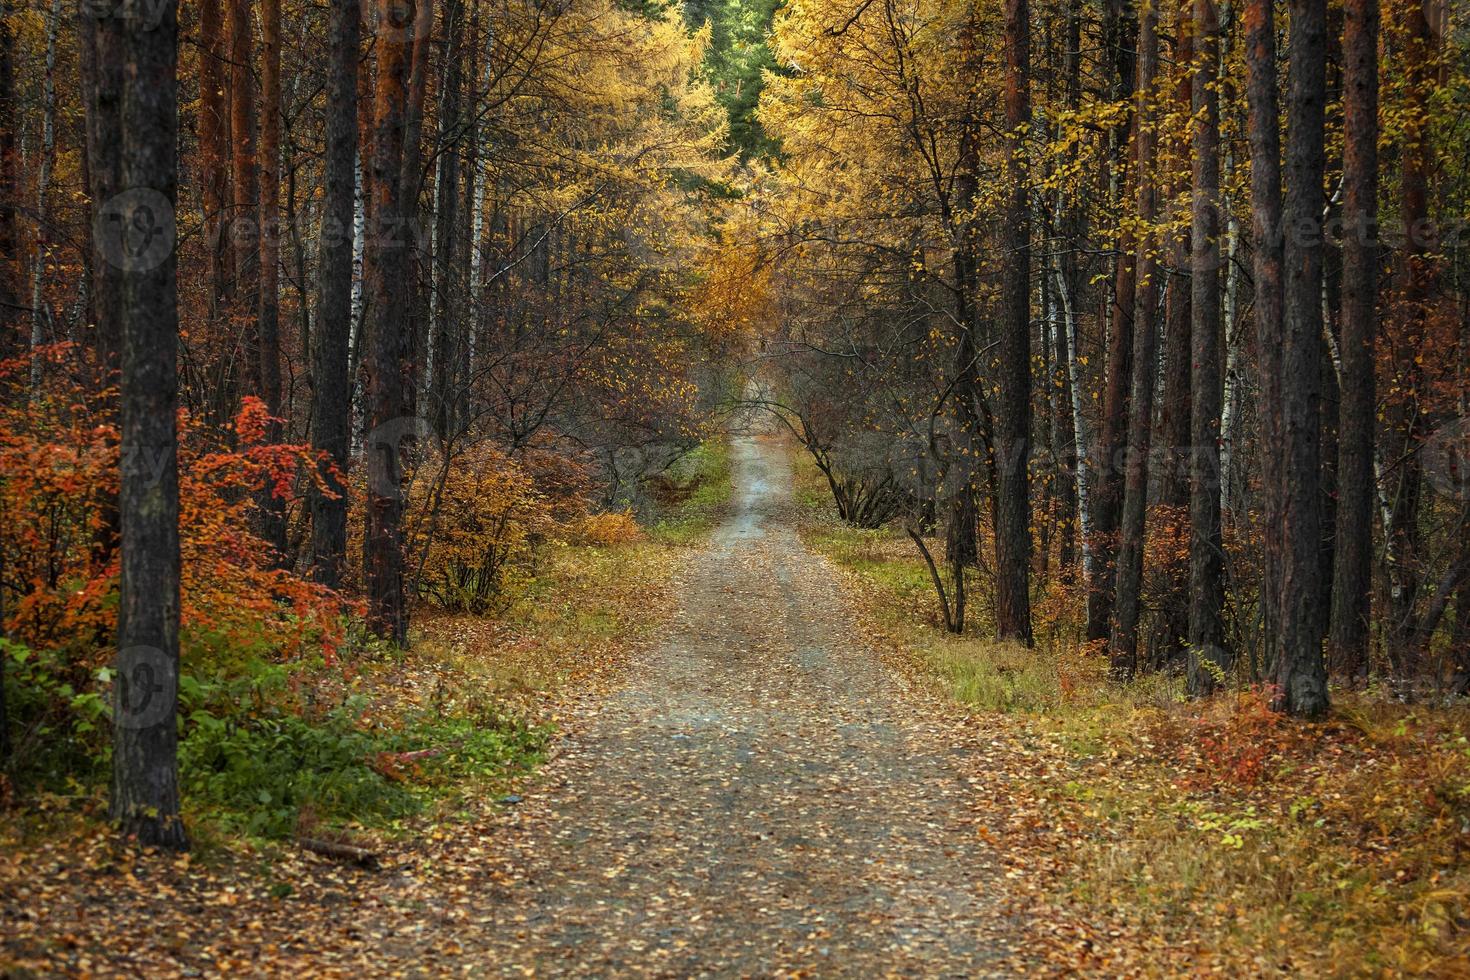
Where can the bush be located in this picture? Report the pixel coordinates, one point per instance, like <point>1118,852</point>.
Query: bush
<point>58,716</point>
<point>474,521</point>
<point>60,457</point>
<point>605,530</point>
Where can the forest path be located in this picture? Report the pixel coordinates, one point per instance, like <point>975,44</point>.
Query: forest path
<point>763,797</point>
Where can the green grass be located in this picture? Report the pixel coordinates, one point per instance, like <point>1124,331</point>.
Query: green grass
<point>695,495</point>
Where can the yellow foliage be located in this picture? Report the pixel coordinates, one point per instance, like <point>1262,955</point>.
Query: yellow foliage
<point>478,514</point>
<point>605,530</point>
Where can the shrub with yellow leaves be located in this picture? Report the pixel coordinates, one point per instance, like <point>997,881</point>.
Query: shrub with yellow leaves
<point>474,520</point>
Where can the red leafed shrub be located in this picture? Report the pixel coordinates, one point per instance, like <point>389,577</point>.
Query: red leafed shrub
<point>59,456</point>
<point>1237,749</point>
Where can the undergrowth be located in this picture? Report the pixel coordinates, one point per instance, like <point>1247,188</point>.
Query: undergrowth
<point>365,738</point>
<point>693,495</point>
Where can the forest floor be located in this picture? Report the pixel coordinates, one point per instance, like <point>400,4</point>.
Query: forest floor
<point>767,762</point>
<point>752,792</point>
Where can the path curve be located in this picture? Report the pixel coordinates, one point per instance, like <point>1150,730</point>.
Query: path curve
<point>762,798</point>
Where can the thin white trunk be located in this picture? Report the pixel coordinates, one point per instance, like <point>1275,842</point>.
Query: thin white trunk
<point>1079,422</point>
<point>1234,335</point>
<point>359,246</point>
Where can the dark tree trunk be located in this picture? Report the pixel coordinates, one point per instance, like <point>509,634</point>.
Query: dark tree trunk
<point>145,786</point>
<point>10,256</point>
<point>1013,510</point>
<point>1300,671</point>
<point>388,347</point>
<point>1262,94</point>
<point>273,509</point>
<point>1107,495</point>
<point>100,64</point>
<point>1123,645</point>
<point>1353,571</point>
<point>1208,658</point>
<point>417,268</point>
<point>1174,421</point>
<point>245,221</point>
<point>331,394</point>
<point>449,291</point>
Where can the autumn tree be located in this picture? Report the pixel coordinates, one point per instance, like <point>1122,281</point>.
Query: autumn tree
<point>388,349</point>
<point>1206,550</point>
<point>1123,643</point>
<point>1300,671</point>
<point>1356,480</point>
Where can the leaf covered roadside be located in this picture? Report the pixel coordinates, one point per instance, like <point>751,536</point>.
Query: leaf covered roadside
<point>415,757</point>
<point>1148,835</point>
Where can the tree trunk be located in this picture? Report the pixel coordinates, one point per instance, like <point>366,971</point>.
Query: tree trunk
<point>418,265</point>
<point>1353,571</point>
<point>331,388</point>
<point>10,273</point>
<point>1013,510</point>
<point>1300,671</point>
<point>1107,494</point>
<point>245,222</point>
<point>1208,659</point>
<point>273,507</point>
<point>1266,233</point>
<point>145,787</point>
<point>214,141</point>
<point>386,271</point>
<point>102,83</point>
<point>40,317</point>
<point>1123,645</point>
<point>448,290</point>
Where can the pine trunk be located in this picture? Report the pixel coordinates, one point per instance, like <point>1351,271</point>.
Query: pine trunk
<point>1301,675</point>
<point>1123,644</point>
<point>145,785</point>
<point>386,272</point>
<point>1208,659</point>
<point>1013,510</point>
<point>273,510</point>
<point>1262,94</point>
<point>245,221</point>
<point>1353,571</point>
<point>331,395</point>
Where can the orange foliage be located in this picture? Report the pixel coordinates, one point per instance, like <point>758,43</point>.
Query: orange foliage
<point>60,456</point>
<point>1238,749</point>
<point>605,530</point>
